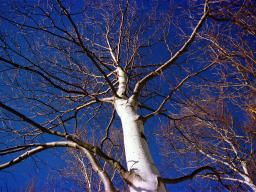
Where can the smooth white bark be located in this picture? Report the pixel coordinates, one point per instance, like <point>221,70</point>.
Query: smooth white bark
<point>138,157</point>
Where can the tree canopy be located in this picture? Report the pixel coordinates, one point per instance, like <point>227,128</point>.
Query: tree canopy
<point>82,80</point>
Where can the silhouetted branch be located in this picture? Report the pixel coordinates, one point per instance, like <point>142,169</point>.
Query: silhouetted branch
<point>191,176</point>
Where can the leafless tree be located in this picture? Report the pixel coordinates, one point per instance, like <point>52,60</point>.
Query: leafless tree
<point>76,74</point>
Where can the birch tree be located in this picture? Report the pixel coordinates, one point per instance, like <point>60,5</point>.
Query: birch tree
<point>73,68</point>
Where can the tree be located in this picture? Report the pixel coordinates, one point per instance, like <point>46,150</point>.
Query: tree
<point>70,63</point>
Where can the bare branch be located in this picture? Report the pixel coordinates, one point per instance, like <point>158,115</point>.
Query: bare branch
<point>159,110</point>
<point>107,129</point>
<point>30,121</point>
<point>159,70</point>
<point>42,75</point>
<point>88,53</point>
<point>191,176</point>
<point>38,149</point>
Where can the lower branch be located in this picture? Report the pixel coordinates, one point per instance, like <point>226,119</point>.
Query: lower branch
<point>37,150</point>
<point>191,176</point>
<point>71,139</point>
<point>108,185</point>
<point>40,147</point>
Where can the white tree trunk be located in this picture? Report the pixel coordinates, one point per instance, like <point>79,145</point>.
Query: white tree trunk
<point>138,157</point>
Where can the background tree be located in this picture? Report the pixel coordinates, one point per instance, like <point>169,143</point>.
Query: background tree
<point>79,74</point>
<point>217,124</point>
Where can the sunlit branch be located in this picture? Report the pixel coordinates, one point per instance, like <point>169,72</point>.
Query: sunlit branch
<point>40,148</point>
<point>182,50</point>
<point>110,48</point>
<point>17,149</point>
<point>96,166</point>
<point>87,176</point>
<point>230,56</point>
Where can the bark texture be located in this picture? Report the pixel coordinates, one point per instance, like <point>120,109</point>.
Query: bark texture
<point>138,157</point>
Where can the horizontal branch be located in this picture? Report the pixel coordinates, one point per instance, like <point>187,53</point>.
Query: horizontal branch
<point>95,165</point>
<point>191,176</point>
<point>17,148</point>
<point>43,75</point>
<point>38,149</point>
<point>77,144</point>
<point>187,177</point>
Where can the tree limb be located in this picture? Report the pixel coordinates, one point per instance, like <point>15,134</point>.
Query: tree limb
<point>182,50</point>
<point>87,52</point>
<point>107,129</point>
<point>30,121</point>
<point>191,176</point>
<point>159,110</point>
<point>38,149</point>
<point>95,165</point>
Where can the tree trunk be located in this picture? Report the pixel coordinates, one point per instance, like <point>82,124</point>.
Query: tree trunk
<point>138,157</point>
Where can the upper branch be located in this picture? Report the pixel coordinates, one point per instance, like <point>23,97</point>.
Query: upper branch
<point>44,75</point>
<point>90,55</point>
<point>30,121</point>
<point>140,84</point>
<point>121,32</point>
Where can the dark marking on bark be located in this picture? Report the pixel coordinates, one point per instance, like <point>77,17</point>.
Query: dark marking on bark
<point>142,135</point>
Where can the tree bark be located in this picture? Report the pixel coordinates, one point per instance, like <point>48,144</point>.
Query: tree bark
<point>138,158</point>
